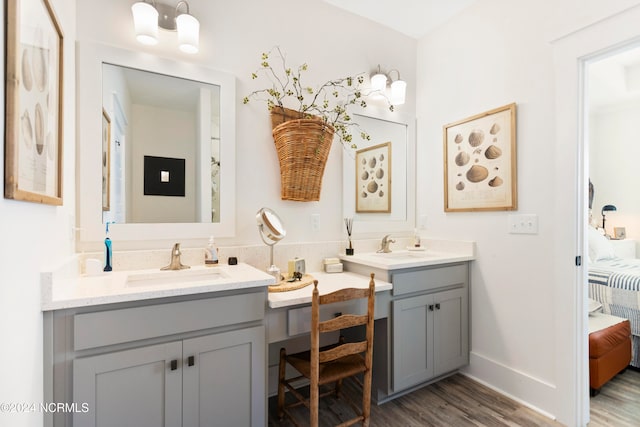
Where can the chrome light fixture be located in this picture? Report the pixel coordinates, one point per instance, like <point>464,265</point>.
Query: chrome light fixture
<point>398,87</point>
<point>147,17</point>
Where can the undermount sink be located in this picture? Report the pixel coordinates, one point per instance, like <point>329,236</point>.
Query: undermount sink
<point>176,277</point>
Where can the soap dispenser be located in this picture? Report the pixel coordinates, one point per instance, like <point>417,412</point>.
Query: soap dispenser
<point>416,238</point>
<point>211,253</point>
<point>108,253</point>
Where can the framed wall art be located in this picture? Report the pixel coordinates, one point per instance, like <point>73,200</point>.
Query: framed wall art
<point>33,140</point>
<point>106,160</point>
<point>480,162</point>
<point>164,176</point>
<point>373,178</point>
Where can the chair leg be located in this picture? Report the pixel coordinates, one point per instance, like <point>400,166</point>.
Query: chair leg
<point>314,397</point>
<point>366,398</point>
<point>338,388</point>
<point>281,372</point>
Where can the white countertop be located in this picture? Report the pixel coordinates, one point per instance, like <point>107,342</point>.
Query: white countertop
<point>327,283</point>
<point>60,291</point>
<point>406,259</point>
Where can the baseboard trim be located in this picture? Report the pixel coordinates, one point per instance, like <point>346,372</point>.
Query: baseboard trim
<point>525,389</point>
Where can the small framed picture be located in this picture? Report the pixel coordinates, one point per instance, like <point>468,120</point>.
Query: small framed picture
<point>373,179</point>
<point>619,233</point>
<point>106,160</point>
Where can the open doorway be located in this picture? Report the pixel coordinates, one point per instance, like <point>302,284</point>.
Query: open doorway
<point>571,53</point>
<point>611,111</point>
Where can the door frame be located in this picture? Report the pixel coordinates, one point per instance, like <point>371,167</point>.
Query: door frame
<point>572,53</point>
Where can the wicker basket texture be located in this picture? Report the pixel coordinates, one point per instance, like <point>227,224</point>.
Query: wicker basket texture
<point>303,147</point>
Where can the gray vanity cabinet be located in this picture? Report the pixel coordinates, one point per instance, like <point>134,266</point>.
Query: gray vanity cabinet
<point>225,386</point>
<point>185,383</point>
<point>132,387</point>
<point>430,326</point>
<point>172,362</point>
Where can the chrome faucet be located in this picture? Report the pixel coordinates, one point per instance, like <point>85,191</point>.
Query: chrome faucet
<point>175,259</point>
<point>384,245</point>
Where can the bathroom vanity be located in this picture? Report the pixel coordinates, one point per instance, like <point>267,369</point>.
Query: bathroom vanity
<point>426,336</point>
<point>152,348</point>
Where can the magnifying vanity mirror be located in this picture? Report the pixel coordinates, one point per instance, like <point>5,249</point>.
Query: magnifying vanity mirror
<point>271,232</point>
<point>156,147</point>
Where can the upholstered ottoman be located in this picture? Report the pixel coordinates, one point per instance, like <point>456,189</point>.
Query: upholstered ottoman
<point>609,348</point>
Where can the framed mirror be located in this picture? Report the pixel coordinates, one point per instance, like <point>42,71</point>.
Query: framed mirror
<point>156,140</point>
<point>379,176</point>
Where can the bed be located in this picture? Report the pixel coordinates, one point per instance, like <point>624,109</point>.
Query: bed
<point>615,283</point>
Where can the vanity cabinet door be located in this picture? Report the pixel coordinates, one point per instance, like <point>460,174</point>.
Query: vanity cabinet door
<point>451,331</point>
<point>224,379</point>
<point>430,336</point>
<point>141,387</point>
<point>412,341</point>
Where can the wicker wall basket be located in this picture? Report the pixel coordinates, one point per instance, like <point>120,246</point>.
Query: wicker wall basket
<point>303,147</point>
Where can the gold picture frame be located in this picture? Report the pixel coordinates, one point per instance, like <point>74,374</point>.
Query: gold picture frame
<point>373,179</point>
<point>33,122</point>
<point>106,160</point>
<point>480,162</point>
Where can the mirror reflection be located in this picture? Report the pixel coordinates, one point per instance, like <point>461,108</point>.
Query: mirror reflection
<point>161,148</point>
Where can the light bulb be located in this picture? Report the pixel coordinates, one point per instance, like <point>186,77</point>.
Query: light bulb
<point>188,33</point>
<point>145,22</point>
<point>398,92</point>
<point>378,82</point>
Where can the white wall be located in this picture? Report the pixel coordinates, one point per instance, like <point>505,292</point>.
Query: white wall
<point>613,166</point>
<point>233,36</point>
<point>494,53</point>
<point>162,132</point>
<point>33,237</point>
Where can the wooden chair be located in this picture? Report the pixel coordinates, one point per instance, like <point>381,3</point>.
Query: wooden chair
<point>333,363</point>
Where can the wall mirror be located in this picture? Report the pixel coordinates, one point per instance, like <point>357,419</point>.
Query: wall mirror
<point>156,147</point>
<point>383,169</point>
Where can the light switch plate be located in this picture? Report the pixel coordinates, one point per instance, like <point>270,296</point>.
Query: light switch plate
<point>523,224</point>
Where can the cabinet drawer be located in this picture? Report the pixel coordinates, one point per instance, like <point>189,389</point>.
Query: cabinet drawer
<point>429,279</point>
<point>130,324</point>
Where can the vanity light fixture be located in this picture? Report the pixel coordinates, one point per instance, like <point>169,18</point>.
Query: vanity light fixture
<point>398,87</point>
<point>147,17</point>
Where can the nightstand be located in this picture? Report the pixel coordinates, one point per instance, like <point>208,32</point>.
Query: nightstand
<point>624,248</point>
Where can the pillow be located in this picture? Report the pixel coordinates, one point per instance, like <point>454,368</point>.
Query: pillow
<point>600,248</point>
<point>594,306</point>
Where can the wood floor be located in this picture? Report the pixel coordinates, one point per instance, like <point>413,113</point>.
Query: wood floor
<point>618,403</point>
<point>459,401</point>
<point>455,401</point>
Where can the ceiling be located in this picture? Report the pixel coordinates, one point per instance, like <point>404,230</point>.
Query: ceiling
<point>612,80</point>
<point>615,79</point>
<point>414,18</point>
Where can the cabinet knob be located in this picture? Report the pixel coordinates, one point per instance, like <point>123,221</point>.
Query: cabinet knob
<point>174,364</point>
<point>430,307</point>
<point>191,360</point>
<point>438,306</point>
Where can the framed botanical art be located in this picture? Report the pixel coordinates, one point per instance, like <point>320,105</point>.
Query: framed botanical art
<point>106,160</point>
<point>480,162</point>
<point>33,140</point>
<point>373,178</point>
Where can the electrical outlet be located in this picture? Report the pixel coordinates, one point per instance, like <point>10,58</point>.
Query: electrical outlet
<point>315,222</point>
<point>523,224</point>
